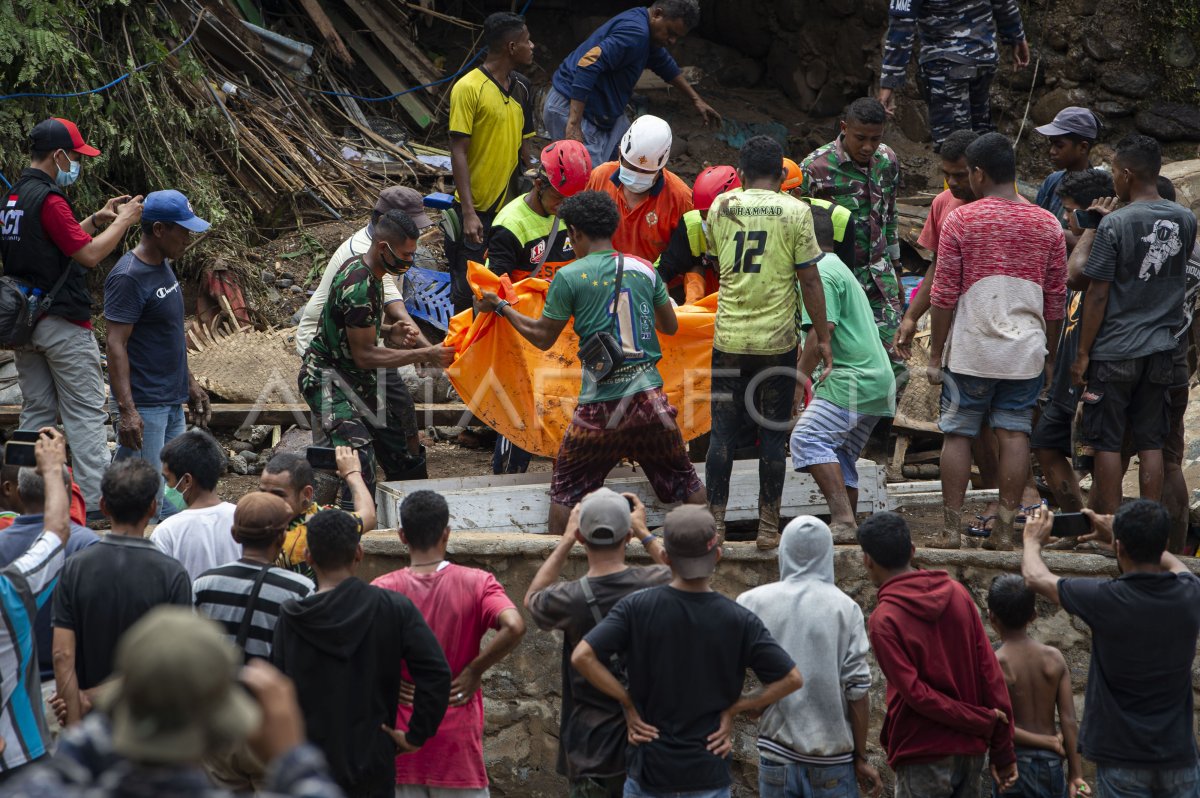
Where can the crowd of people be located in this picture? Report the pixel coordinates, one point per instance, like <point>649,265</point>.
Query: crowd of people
<point>235,648</point>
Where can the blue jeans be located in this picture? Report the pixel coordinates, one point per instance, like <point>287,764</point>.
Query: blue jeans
<point>1040,775</point>
<point>806,781</point>
<point>1113,782</point>
<point>160,424</point>
<point>634,790</point>
<point>601,142</point>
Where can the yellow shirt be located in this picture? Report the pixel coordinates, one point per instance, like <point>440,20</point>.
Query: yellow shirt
<point>760,239</point>
<point>496,121</point>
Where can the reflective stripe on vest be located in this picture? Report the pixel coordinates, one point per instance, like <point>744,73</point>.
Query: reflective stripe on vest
<point>695,233</point>
<point>838,215</point>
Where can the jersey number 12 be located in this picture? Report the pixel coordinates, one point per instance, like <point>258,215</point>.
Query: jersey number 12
<point>746,258</point>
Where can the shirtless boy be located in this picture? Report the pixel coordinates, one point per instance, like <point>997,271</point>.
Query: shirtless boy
<point>1038,682</point>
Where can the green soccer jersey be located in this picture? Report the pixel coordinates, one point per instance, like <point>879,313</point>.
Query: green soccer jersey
<point>584,290</point>
<point>861,379</point>
<point>760,238</point>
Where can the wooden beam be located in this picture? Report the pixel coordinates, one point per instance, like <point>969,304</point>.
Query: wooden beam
<point>411,103</point>
<point>408,56</point>
<point>497,504</point>
<point>326,29</point>
<point>233,416</point>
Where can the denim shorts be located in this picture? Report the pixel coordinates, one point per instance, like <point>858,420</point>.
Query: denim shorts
<point>806,781</point>
<point>968,400</point>
<point>1039,775</point>
<point>1114,782</point>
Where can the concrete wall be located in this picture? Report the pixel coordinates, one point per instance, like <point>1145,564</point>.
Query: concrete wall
<point>522,693</point>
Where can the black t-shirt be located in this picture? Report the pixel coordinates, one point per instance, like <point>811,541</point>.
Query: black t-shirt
<point>1183,334</point>
<point>677,258</point>
<point>687,655</point>
<point>591,741</point>
<point>105,589</point>
<point>1062,391</point>
<point>1139,688</point>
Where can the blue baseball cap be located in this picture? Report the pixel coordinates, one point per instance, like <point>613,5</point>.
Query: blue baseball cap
<point>172,206</point>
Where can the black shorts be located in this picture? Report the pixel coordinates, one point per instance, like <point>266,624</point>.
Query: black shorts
<point>1129,394</point>
<point>1053,429</point>
<point>1174,445</point>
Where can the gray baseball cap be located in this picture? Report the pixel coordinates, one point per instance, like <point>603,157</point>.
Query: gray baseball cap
<point>1072,119</point>
<point>604,518</point>
<point>403,198</point>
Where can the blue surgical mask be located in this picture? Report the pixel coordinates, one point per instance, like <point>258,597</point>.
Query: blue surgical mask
<point>173,497</point>
<point>64,179</point>
<point>637,182</point>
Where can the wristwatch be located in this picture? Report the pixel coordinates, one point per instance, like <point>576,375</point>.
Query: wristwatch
<point>504,303</point>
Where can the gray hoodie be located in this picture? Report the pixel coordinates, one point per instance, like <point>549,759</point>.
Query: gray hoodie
<point>823,631</point>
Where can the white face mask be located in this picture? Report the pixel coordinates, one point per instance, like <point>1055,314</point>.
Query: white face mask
<point>637,182</point>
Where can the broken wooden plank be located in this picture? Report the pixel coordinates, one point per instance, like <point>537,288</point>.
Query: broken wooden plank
<point>408,56</point>
<point>327,31</point>
<point>410,102</point>
<point>485,505</point>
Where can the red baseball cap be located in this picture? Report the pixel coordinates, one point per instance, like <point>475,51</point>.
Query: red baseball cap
<point>59,134</point>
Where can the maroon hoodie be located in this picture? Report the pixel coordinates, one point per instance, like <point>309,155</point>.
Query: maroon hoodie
<point>943,680</point>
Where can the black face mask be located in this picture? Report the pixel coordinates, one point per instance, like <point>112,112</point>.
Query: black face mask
<point>393,265</point>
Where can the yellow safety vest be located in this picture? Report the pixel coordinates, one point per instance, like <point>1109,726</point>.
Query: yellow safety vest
<point>839,216</point>
<point>695,233</point>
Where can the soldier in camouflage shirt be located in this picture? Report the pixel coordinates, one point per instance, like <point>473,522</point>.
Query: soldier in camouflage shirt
<point>957,58</point>
<point>338,378</point>
<point>861,173</point>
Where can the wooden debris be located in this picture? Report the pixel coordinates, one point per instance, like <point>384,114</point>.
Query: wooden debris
<point>413,106</point>
<point>321,20</point>
<point>408,56</point>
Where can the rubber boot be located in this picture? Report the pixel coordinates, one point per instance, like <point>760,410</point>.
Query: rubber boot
<point>415,467</point>
<point>951,537</point>
<point>768,526</point>
<point>1001,538</point>
<point>718,514</point>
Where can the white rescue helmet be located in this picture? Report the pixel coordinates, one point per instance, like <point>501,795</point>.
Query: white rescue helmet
<point>647,143</point>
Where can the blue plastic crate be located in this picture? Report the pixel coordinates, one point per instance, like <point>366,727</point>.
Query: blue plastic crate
<point>428,296</point>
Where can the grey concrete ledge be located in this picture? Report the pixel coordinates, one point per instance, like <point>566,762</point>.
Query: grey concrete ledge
<point>386,543</point>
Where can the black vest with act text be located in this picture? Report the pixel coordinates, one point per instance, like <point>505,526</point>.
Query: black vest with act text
<point>28,253</point>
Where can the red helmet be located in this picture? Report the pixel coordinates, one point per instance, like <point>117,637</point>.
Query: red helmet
<point>566,166</point>
<point>713,181</point>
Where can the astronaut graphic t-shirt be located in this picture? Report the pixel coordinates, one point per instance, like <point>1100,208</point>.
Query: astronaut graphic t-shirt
<point>1142,250</point>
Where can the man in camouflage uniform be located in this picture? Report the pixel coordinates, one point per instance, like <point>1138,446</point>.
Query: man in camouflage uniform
<point>958,57</point>
<point>338,378</point>
<point>861,173</point>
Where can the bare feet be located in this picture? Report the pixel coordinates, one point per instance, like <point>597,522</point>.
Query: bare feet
<point>951,536</point>
<point>844,532</point>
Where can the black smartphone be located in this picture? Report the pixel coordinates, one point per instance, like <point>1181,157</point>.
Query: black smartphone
<point>322,458</point>
<point>1088,220</point>
<point>1070,525</point>
<point>629,499</point>
<point>19,453</point>
<point>25,435</point>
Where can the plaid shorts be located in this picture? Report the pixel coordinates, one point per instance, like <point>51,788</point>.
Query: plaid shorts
<point>641,428</point>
